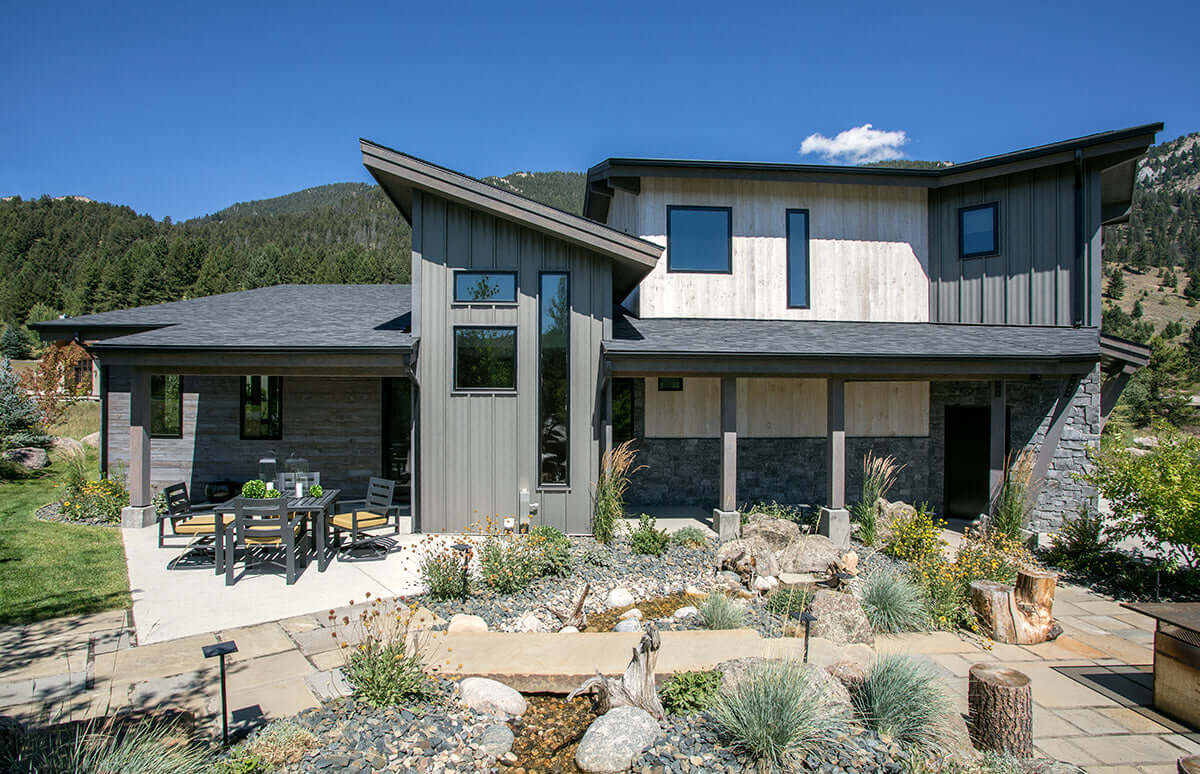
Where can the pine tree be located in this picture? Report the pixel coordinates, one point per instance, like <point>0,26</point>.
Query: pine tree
<point>15,344</point>
<point>19,415</point>
<point>1116,284</point>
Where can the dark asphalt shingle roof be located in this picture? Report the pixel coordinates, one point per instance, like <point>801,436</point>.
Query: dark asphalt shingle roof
<point>337,317</point>
<point>822,338</point>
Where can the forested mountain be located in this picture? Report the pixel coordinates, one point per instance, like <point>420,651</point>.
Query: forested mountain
<point>77,256</point>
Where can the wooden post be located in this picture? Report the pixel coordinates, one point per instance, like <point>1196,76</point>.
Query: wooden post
<point>1000,710</point>
<point>606,431</point>
<point>728,443</point>
<point>997,441</point>
<point>139,439</point>
<point>835,495</point>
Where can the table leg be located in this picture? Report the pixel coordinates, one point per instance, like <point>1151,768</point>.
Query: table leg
<point>320,523</point>
<point>219,543</point>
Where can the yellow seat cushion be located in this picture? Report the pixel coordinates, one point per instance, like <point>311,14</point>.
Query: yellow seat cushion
<point>270,539</point>
<point>366,520</point>
<point>195,525</point>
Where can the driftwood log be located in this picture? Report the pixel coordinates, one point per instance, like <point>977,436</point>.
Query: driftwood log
<point>574,615</point>
<point>635,688</point>
<point>1000,710</point>
<point>1021,614</point>
<point>1188,765</point>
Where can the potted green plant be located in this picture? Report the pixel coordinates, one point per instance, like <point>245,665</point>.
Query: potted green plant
<point>256,489</point>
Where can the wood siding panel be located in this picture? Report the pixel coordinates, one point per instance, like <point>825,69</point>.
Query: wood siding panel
<point>693,412</point>
<point>781,408</point>
<point>887,409</point>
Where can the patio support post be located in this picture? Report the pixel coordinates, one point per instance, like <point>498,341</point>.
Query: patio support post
<point>139,512</point>
<point>606,427</point>
<point>834,520</point>
<point>727,522</point>
<point>997,440</point>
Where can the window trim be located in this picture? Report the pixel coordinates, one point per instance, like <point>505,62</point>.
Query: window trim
<point>566,484</point>
<point>175,436</point>
<point>728,240</point>
<point>661,379</point>
<point>455,389</point>
<point>963,255</point>
<point>454,299</point>
<point>787,225</point>
<point>242,407</point>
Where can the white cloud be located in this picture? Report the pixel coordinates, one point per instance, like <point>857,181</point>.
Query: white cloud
<point>858,145</point>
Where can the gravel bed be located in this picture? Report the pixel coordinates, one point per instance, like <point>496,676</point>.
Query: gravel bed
<point>53,512</point>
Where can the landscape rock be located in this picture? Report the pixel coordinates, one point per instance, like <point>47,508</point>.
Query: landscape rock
<point>628,625</point>
<point>491,697</point>
<point>496,740</point>
<point>686,612</point>
<point>615,740</point>
<point>619,597</point>
<point>464,622</point>
<point>765,583</point>
<point>746,557</point>
<point>776,532</point>
<point>568,630</point>
<point>809,553</point>
<point>849,562</point>
<point>851,674</point>
<point>62,443</point>
<point>632,612</point>
<point>840,618</point>
<point>889,514</point>
<point>28,457</point>
<point>805,581</point>
<point>531,623</point>
<point>736,670</point>
<point>92,440</point>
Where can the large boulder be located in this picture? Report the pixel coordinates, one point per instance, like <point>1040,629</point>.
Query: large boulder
<point>491,697</point>
<point>809,554</point>
<point>733,672</point>
<point>619,597</point>
<point>92,440</point>
<point>840,618</point>
<point>615,739</point>
<point>889,514</point>
<point>28,457</point>
<point>465,622</point>
<point>776,532</point>
<point>747,556</point>
<point>62,443</point>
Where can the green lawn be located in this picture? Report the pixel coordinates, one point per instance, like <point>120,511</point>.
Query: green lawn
<point>82,418</point>
<point>49,569</point>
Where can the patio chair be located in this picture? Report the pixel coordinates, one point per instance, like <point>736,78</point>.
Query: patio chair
<point>261,529</point>
<point>373,512</point>
<point>186,520</point>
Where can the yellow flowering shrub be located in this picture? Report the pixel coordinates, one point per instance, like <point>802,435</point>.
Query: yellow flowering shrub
<point>916,537</point>
<point>94,501</point>
<point>383,651</point>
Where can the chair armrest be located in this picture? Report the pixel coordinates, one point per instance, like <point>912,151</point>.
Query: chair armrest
<point>340,504</point>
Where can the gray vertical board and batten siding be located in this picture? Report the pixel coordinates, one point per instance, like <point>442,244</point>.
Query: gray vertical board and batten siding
<point>479,449</point>
<point>1032,279</point>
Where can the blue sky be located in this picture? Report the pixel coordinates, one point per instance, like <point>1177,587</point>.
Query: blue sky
<point>181,112</point>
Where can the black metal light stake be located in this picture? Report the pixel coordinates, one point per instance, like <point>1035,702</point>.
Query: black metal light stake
<point>807,618</point>
<point>222,649</point>
<point>465,550</point>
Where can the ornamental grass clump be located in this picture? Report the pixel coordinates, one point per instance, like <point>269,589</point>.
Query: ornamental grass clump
<point>893,602</point>
<point>615,469</point>
<point>904,699</point>
<point>788,602</point>
<point>104,747</point>
<point>720,611</point>
<point>776,715</point>
<point>1010,511</point>
<point>879,475</point>
<point>382,648</point>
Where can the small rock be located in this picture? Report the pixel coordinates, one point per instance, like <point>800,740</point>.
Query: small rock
<point>765,583</point>
<point>29,457</point>
<point>615,739</point>
<point>530,623</point>
<point>619,597</point>
<point>631,613</point>
<point>568,630</point>
<point>693,591</point>
<point>464,622</point>
<point>686,612</point>
<point>849,673</point>
<point>840,618</point>
<point>628,625</point>
<point>63,444</point>
<point>496,740</point>
<point>92,440</point>
<point>491,697</point>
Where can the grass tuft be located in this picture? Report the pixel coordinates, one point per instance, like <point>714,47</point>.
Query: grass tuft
<point>690,537</point>
<point>102,748</point>
<point>720,611</point>
<point>893,603</point>
<point>903,698</point>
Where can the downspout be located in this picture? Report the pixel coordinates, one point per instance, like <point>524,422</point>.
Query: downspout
<point>1079,301</point>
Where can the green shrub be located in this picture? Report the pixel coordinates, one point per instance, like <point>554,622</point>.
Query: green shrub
<point>87,500</point>
<point>690,692</point>
<point>254,489</point>
<point>893,603</point>
<point>1081,544</point>
<point>615,469</point>
<point>385,667</point>
<point>105,748</point>
<point>551,551</point>
<point>788,602</point>
<point>904,699</point>
<point>720,611</point>
<point>648,540</point>
<point>597,557</point>
<point>278,744</point>
<point>441,570</point>
<point>506,564</point>
<point>690,537</point>
<point>915,537</point>
<point>21,421</point>
<point>776,714</point>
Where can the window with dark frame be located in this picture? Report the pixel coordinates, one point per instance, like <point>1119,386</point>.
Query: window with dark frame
<point>166,406</point>
<point>797,259</point>
<point>485,358</point>
<point>483,287</point>
<point>979,230</point>
<point>262,408</point>
<point>554,378</point>
<point>670,384</point>
<point>624,407</point>
<point>700,239</point>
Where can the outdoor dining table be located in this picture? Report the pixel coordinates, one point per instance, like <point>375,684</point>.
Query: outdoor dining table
<point>318,508</point>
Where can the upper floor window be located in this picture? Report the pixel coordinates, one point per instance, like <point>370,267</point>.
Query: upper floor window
<point>979,230</point>
<point>485,358</point>
<point>700,239</point>
<point>475,287</point>
<point>262,408</point>
<point>797,259</point>
<point>166,406</point>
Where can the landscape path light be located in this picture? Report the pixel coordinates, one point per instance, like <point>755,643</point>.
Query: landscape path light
<point>464,550</point>
<point>220,650</point>
<point>806,618</point>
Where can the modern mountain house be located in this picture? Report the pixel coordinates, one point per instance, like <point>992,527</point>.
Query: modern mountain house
<point>753,328</point>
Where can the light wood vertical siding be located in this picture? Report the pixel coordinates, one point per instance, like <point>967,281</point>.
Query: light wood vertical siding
<point>1033,278</point>
<point>479,450</point>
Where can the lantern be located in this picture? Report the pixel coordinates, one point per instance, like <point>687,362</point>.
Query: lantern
<point>268,465</point>
<point>297,466</point>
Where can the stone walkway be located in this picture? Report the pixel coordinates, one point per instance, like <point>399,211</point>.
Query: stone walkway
<point>85,666</point>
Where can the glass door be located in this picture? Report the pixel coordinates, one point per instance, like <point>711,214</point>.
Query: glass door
<point>397,434</point>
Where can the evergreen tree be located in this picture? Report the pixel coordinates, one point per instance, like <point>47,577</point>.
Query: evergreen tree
<point>19,415</point>
<point>15,344</point>
<point>1163,388</point>
<point>1116,284</point>
<point>1137,310</point>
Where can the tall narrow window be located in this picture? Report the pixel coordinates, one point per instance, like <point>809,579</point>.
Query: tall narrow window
<point>797,259</point>
<point>166,406</point>
<point>262,408</point>
<point>554,388</point>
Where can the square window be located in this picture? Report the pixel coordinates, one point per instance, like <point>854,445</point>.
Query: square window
<point>700,239</point>
<point>485,358</point>
<point>483,287</point>
<point>670,384</point>
<point>166,406</point>
<point>262,408</point>
<point>979,231</point>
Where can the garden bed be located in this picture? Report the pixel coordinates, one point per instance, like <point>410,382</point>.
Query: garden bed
<point>53,512</point>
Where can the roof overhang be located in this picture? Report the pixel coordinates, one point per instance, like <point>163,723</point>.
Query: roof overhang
<point>284,362</point>
<point>1118,354</point>
<point>399,174</point>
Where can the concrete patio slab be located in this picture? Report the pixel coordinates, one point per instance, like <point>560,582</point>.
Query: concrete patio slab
<point>1131,748</point>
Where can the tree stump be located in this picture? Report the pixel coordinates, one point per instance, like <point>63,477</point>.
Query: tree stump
<point>1000,703</point>
<point>1020,615</point>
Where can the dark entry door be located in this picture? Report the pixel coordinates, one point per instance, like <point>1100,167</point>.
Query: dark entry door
<point>397,434</point>
<point>967,470</point>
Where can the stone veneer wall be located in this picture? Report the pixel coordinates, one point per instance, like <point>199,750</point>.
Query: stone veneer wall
<point>686,471</point>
